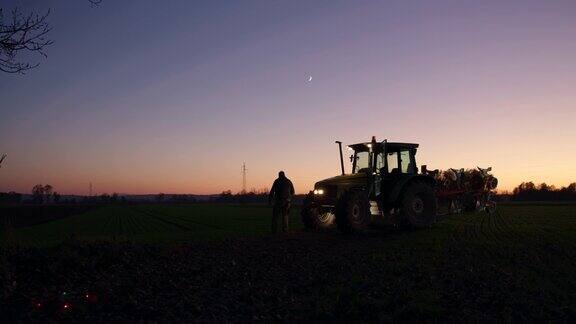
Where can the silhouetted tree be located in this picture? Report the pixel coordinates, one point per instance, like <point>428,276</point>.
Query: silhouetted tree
<point>11,197</point>
<point>544,187</point>
<point>38,193</point>
<point>56,197</point>
<point>21,35</point>
<point>48,189</point>
<point>226,196</point>
<point>105,198</point>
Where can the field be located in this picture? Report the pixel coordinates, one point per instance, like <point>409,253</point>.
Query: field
<point>153,224</point>
<point>218,263</point>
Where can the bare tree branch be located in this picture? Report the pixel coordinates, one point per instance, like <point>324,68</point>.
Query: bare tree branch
<point>19,35</point>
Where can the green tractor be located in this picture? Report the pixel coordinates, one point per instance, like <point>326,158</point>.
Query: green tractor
<point>384,186</point>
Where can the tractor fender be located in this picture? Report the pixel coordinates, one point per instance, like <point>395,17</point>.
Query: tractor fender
<point>397,192</point>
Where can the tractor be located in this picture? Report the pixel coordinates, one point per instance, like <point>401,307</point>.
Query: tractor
<point>384,186</point>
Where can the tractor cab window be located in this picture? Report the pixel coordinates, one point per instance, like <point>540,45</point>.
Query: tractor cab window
<point>392,160</point>
<point>361,162</point>
<point>406,164</point>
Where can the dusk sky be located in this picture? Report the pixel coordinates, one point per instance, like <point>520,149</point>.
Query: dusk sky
<point>173,96</point>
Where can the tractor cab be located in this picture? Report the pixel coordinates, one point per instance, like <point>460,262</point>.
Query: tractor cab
<point>384,163</point>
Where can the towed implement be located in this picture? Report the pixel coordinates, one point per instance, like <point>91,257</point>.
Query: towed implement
<point>384,186</point>
<point>464,190</point>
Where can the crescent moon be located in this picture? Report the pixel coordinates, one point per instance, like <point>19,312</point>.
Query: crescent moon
<point>309,78</point>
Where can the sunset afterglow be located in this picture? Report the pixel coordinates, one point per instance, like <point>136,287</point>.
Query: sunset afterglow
<point>273,84</point>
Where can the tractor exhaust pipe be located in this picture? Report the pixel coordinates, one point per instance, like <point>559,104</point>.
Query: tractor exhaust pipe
<point>341,157</point>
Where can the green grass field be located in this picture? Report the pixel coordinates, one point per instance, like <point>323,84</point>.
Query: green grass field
<point>219,263</point>
<point>185,223</point>
<point>153,224</point>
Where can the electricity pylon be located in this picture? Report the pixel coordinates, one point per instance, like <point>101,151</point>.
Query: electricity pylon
<point>244,177</point>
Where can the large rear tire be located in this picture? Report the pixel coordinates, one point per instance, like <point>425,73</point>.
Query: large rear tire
<point>419,204</point>
<point>353,212</point>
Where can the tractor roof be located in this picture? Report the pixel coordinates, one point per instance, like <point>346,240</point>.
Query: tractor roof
<point>393,146</point>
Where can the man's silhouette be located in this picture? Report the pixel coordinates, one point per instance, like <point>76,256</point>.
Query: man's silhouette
<point>282,192</point>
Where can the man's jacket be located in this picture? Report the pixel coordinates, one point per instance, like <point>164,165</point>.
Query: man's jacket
<point>282,190</point>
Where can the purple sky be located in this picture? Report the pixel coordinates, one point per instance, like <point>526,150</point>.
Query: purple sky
<point>172,96</point>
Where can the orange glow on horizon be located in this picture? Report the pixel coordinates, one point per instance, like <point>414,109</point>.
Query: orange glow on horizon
<point>474,83</point>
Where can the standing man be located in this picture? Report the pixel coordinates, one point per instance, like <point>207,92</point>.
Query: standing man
<point>282,192</point>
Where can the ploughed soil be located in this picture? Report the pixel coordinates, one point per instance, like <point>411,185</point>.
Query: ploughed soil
<point>470,272</point>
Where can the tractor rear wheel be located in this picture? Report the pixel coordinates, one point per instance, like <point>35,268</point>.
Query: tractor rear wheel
<point>316,218</point>
<point>353,212</point>
<point>419,204</point>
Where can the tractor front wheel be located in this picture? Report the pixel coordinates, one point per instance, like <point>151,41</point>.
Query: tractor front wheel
<point>419,204</point>
<point>317,219</point>
<point>353,212</point>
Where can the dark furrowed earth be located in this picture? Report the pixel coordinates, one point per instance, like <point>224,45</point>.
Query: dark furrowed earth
<point>515,265</point>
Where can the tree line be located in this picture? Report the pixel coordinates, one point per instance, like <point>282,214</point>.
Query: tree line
<point>252,196</point>
<point>45,194</point>
<point>528,191</point>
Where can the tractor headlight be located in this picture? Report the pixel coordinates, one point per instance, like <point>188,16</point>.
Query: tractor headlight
<point>318,191</point>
